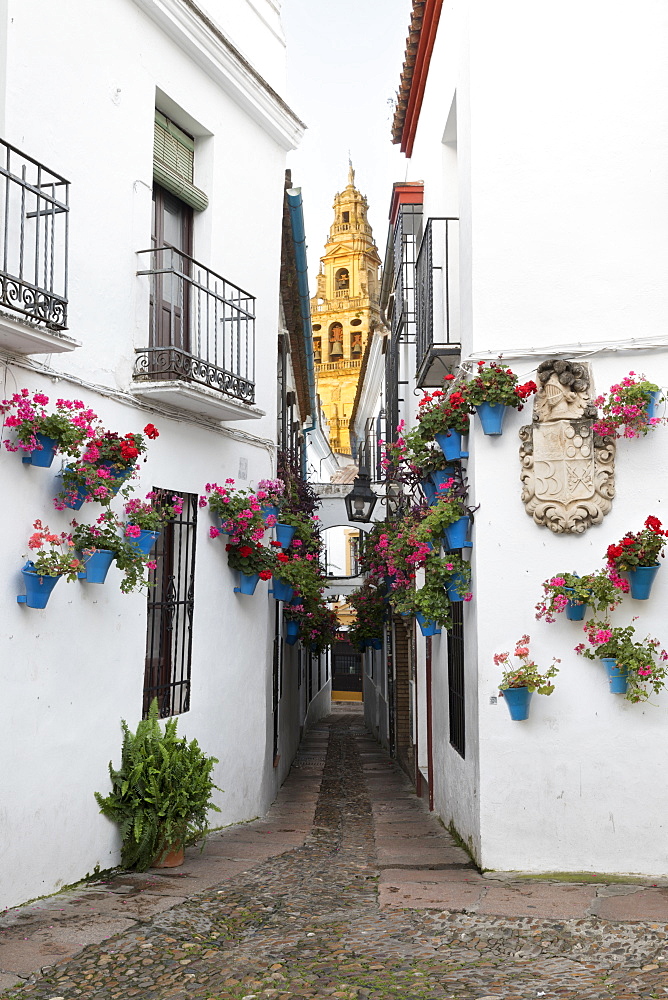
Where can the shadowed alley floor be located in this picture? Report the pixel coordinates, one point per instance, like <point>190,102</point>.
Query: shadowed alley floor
<point>348,888</point>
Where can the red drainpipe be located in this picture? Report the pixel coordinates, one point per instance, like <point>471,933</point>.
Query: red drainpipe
<point>430,756</point>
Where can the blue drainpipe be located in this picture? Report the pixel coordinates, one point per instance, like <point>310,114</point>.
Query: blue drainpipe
<point>296,209</point>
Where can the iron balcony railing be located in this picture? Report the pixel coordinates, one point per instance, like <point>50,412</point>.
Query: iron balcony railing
<point>202,327</point>
<point>34,213</point>
<point>437,288</point>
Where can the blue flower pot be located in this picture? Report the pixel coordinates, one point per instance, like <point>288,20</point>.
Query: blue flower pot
<point>652,400</point>
<point>641,579</point>
<point>145,541</point>
<point>96,565</point>
<point>282,591</point>
<point>268,510</point>
<point>284,535</point>
<point>42,457</point>
<point>616,676</point>
<point>427,626</point>
<point>76,498</point>
<point>376,643</point>
<point>450,443</point>
<point>455,534</point>
<point>247,583</point>
<point>439,477</point>
<point>518,701</point>
<point>38,588</point>
<point>491,417</point>
<point>118,476</point>
<point>291,632</point>
<point>428,489</point>
<point>576,611</point>
<point>456,588</point>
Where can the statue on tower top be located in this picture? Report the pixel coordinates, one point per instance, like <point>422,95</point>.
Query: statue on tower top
<point>351,173</point>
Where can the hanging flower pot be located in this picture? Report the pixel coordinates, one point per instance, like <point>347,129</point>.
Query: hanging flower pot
<point>144,541</point>
<point>575,610</point>
<point>491,417</point>
<point>450,443</point>
<point>38,588</point>
<point>456,587</point>
<point>427,626</point>
<point>282,591</point>
<point>652,400</point>
<point>440,477</point>
<point>43,456</point>
<point>291,632</point>
<point>376,643</point>
<point>518,700</point>
<point>616,675</point>
<point>455,533</point>
<point>284,534</point>
<point>116,475</point>
<point>428,489</point>
<point>247,583</point>
<point>641,579</point>
<point>96,565</point>
<point>73,498</point>
<point>269,510</point>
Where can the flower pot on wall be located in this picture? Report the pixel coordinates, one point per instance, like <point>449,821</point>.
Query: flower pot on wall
<point>450,443</point>
<point>282,591</point>
<point>38,588</point>
<point>455,534</point>
<point>575,610</point>
<point>291,632</point>
<point>428,489</point>
<point>440,477</point>
<point>616,675</point>
<point>456,588</point>
<point>376,643</point>
<point>268,510</point>
<point>652,400</point>
<point>96,565</point>
<point>518,701</point>
<point>145,540</point>
<point>247,583</point>
<point>42,457</point>
<point>640,580</point>
<point>427,626</point>
<point>491,417</point>
<point>284,534</point>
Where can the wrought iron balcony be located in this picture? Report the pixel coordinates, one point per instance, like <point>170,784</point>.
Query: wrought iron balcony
<point>201,353</point>
<point>34,213</point>
<point>437,301</point>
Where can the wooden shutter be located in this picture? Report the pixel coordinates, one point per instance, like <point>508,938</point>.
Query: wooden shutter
<point>173,162</point>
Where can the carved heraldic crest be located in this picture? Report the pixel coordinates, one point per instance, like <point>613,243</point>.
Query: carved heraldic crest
<point>568,472</point>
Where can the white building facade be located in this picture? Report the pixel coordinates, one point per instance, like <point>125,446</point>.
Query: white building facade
<point>152,124</point>
<point>543,235</point>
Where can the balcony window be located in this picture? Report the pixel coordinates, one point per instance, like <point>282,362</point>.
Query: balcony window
<point>34,212</point>
<point>437,336</point>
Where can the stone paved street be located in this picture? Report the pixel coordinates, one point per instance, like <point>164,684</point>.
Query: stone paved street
<point>349,888</point>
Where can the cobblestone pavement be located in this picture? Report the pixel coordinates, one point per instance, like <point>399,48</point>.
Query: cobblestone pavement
<point>355,892</point>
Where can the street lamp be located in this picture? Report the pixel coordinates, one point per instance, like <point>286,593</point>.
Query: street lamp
<point>361,500</point>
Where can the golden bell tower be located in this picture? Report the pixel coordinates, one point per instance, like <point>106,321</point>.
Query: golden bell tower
<point>344,310</point>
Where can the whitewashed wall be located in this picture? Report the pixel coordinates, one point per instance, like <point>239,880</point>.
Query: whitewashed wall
<point>563,241</point>
<point>80,97</point>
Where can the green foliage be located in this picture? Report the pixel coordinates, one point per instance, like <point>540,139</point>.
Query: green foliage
<point>644,663</point>
<point>597,590</point>
<point>526,673</point>
<point>104,534</point>
<point>369,605</point>
<point>161,792</point>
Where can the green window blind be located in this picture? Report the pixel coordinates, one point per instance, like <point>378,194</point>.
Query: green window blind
<point>173,162</point>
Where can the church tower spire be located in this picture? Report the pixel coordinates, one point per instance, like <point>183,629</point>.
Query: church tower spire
<point>344,310</point>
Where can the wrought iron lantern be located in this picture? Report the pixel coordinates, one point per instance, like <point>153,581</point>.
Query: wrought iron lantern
<point>361,500</point>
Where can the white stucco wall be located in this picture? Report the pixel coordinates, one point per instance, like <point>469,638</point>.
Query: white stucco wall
<point>560,178</point>
<point>80,97</point>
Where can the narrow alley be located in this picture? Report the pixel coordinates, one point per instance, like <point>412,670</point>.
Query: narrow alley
<point>348,888</point>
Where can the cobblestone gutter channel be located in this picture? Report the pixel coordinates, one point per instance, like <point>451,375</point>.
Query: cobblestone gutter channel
<point>308,922</point>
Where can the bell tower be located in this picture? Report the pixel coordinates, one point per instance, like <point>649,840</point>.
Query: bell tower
<point>344,310</point>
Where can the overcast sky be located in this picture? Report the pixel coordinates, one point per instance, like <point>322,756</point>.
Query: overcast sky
<point>344,64</point>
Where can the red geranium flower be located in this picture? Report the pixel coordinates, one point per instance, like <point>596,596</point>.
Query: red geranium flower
<point>264,574</point>
<point>151,431</point>
<point>245,550</point>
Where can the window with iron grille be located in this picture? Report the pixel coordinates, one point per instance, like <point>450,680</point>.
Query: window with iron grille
<point>456,700</point>
<point>170,612</point>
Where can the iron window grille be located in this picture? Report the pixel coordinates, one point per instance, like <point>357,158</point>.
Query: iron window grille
<point>437,331</point>
<point>170,612</point>
<point>34,214</point>
<point>456,692</point>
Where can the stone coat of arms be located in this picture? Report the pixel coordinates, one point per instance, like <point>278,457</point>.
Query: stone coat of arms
<point>567,473</point>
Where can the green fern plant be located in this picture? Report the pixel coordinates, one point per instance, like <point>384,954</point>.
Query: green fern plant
<point>160,794</point>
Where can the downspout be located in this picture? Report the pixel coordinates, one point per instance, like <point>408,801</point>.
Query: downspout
<point>296,209</point>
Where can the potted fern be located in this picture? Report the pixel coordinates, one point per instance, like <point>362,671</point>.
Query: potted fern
<point>160,794</point>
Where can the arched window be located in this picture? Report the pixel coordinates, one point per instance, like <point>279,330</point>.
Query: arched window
<point>317,356</point>
<point>335,341</point>
<point>342,279</point>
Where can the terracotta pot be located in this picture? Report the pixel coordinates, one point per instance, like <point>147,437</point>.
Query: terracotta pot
<point>171,858</point>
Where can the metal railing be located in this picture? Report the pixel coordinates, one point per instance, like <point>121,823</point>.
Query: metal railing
<point>202,327</point>
<point>34,213</point>
<point>437,287</point>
